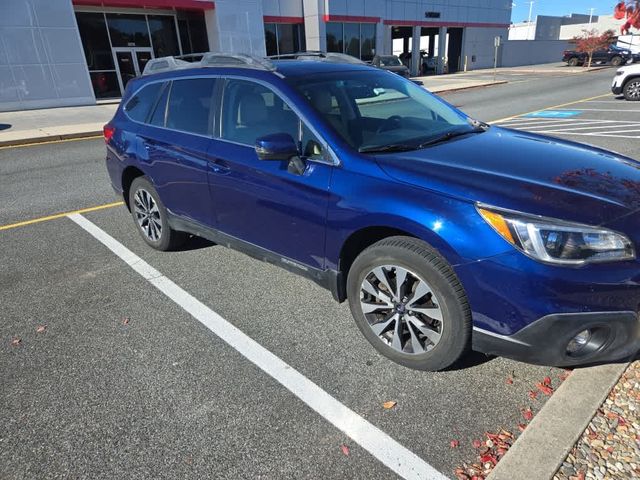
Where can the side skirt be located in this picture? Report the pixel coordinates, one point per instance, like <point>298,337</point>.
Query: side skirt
<point>329,279</point>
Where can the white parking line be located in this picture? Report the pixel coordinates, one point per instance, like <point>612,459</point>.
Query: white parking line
<point>600,110</point>
<point>398,458</point>
<point>572,128</point>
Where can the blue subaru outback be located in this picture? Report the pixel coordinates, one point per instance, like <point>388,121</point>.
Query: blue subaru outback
<point>443,233</point>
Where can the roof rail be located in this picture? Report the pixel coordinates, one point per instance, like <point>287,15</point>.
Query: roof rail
<point>237,60</point>
<point>319,56</point>
<point>164,64</point>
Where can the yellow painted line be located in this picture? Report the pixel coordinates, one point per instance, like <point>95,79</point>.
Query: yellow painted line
<point>46,142</point>
<point>506,119</point>
<point>59,215</point>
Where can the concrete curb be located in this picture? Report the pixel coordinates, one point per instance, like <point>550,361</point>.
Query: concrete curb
<point>543,446</point>
<point>49,138</point>
<point>467,87</point>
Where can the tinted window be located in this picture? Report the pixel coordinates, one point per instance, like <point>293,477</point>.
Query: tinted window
<point>190,105</point>
<point>128,30</point>
<point>352,39</point>
<point>368,40</point>
<point>157,118</point>
<point>251,111</point>
<point>163,35</point>
<point>95,41</point>
<point>271,38</point>
<point>141,103</point>
<point>334,37</point>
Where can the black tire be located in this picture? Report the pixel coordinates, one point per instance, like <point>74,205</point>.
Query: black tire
<point>631,90</point>
<point>428,266</point>
<point>167,239</point>
<point>573,62</point>
<point>617,61</point>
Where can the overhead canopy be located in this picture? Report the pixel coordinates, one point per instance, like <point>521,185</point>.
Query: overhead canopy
<point>177,4</point>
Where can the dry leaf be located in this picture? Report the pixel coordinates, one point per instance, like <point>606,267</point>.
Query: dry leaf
<point>16,341</point>
<point>125,321</point>
<point>476,444</point>
<point>344,449</point>
<point>527,414</point>
<point>509,381</point>
<point>521,427</point>
<point>390,404</point>
<point>454,443</point>
<point>41,328</point>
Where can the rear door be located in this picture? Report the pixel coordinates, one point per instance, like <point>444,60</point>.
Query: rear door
<point>174,146</point>
<point>260,201</point>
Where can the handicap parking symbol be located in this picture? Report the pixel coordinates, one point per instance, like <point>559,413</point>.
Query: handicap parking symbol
<point>554,114</point>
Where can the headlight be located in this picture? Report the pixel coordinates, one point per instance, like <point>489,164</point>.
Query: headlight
<point>556,241</point>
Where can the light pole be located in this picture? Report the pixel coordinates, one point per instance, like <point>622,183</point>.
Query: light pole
<point>529,21</point>
<point>591,10</point>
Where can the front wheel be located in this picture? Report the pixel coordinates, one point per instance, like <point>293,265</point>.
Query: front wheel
<point>617,61</point>
<point>409,304</point>
<point>573,62</point>
<point>632,90</point>
<point>150,216</point>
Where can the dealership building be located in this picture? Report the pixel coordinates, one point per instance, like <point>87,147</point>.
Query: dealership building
<point>76,52</point>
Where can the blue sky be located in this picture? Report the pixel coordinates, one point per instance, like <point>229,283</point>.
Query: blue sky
<point>560,7</point>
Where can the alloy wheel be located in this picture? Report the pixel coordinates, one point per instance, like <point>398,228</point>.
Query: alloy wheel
<point>633,90</point>
<point>147,214</point>
<point>401,309</point>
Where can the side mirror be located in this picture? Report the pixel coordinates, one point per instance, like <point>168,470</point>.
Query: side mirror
<point>277,146</point>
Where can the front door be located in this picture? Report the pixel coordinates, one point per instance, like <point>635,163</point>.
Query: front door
<point>261,201</point>
<point>130,63</point>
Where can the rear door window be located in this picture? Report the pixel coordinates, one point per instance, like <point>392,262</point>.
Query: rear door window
<point>139,106</point>
<point>160,109</point>
<point>190,105</point>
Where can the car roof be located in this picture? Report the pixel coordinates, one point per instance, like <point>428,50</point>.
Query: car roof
<point>297,68</point>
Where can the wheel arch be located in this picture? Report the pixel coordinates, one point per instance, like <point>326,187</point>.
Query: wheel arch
<point>129,174</point>
<point>364,237</point>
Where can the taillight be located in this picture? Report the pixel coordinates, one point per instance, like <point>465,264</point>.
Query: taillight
<point>108,132</point>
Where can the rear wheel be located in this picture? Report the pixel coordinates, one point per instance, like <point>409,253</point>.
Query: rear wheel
<point>409,304</point>
<point>150,216</point>
<point>573,62</point>
<point>632,90</point>
<point>617,61</point>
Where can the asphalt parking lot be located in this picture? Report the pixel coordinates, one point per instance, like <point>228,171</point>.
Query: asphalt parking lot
<point>130,378</point>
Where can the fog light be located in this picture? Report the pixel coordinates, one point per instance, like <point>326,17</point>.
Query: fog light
<point>578,342</point>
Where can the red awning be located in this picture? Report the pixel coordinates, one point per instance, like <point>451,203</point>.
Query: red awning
<point>177,4</point>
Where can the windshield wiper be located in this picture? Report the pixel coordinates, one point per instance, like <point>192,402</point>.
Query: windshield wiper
<point>450,135</point>
<point>394,147</point>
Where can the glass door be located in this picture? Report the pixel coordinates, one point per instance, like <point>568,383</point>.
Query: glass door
<point>130,63</point>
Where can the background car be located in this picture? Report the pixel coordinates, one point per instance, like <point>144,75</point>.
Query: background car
<point>391,63</point>
<point>627,82</point>
<point>613,55</point>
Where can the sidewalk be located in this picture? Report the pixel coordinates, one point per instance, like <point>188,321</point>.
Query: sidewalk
<point>36,126</point>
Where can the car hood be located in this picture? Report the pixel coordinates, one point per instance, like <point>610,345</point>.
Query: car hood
<point>525,172</point>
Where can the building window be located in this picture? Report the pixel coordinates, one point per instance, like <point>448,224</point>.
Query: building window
<point>97,51</point>
<point>163,35</point>
<point>355,39</point>
<point>193,32</point>
<point>283,38</point>
<point>128,30</point>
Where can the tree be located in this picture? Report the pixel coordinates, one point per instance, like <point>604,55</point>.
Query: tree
<point>591,41</point>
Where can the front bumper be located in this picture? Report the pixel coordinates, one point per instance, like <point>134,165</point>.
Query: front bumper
<point>545,341</point>
<point>616,90</point>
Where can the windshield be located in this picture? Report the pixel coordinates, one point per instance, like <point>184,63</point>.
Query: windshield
<point>373,109</point>
<point>390,61</point>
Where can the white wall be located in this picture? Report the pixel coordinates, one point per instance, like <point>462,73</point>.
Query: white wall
<point>41,59</point>
<point>532,52</point>
<point>237,26</point>
<point>480,42</point>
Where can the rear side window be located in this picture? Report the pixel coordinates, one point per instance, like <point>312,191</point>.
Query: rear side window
<point>157,119</point>
<point>190,103</point>
<point>141,103</point>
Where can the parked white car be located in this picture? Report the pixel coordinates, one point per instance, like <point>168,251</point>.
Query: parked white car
<point>627,82</point>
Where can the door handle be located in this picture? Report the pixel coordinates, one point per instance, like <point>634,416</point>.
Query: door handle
<point>219,166</point>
